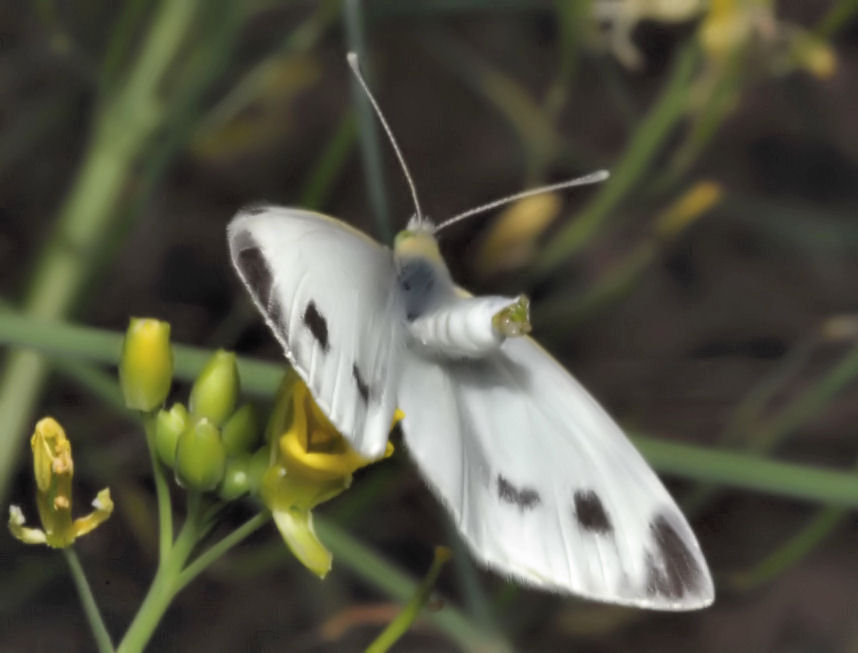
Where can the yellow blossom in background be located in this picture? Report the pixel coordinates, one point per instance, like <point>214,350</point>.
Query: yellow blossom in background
<point>53,468</point>
<point>511,241</point>
<point>733,25</point>
<point>311,463</point>
<point>691,205</point>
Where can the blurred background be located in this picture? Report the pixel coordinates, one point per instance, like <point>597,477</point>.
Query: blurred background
<point>706,294</point>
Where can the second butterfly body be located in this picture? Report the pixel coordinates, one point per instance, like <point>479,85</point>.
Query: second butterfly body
<point>541,483</point>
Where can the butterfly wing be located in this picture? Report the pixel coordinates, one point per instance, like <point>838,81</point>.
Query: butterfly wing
<point>543,485</point>
<point>326,291</point>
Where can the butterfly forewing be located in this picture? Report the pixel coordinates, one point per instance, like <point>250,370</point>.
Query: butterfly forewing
<point>326,291</point>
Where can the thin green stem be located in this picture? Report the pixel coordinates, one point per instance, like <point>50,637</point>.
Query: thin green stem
<point>125,126</point>
<point>162,490</point>
<point>205,559</point>
<point>790,552</point>
<point>649,136</point>
<point>93,614</point>
<point>165,585</point>
<point>368,128</point>
<point>379,573</point>
<point>402,622</point>
<point>836,17</point>
<point>807,404</point>
<point>749,472</point>
<point>103,346</point>
<point>148,616</point>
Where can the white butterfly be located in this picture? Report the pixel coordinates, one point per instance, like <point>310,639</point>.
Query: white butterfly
<point>540,481</point>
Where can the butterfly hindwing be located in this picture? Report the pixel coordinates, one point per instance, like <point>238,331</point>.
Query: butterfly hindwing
<point>543,485</point>
<point>326,291</point>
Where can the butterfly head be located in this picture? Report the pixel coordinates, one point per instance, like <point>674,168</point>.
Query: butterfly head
<point>417,240</point>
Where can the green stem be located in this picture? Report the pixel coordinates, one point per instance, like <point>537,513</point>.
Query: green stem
<point>367,124</point>
<point>646,141</point>
<point>93,615</point>
<point>402,622</point>
<point>701,463</point>
<point>790,552</point>
<point>103,346</point>
<point>807,404</point>
<point>162,490</point>
<point>125,125</point>
<point>376,571</point>
<point>749,472</point>
<point>205,559</point>
<point>165,585</point>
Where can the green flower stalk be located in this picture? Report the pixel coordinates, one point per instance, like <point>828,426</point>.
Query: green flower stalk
<point>146,364</point>
<point>216,389</point>
<point>53,468</point>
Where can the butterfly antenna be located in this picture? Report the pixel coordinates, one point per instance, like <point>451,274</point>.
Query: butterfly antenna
<point>592,178</point>
<point>352,58</point>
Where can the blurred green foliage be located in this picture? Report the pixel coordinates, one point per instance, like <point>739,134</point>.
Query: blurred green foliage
<point>135,129</point>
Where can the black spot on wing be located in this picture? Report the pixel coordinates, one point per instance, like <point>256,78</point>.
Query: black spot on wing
<point>256,273</point>
<point>590,512</point>
<point>363,388</point>
<point>525,498</point>
<point>317,325</point>
<point>672,569</point>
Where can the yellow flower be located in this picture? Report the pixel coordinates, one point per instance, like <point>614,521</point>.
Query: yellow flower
<point>511,242</point>
<point>53,468</point>
<point>733,25</point>
<point>311,463</point>
<point>146,364</point>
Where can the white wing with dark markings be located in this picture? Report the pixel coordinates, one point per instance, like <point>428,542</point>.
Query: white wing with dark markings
<point>543,485</point>
<point>327,292</point>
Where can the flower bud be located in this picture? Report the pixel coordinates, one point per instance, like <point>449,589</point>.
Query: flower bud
<point>258,465</point>
<point>216,388</point>
<point>146,364</point>
<point>200,457</point>
<point>169,425</point>
<point>240,433</point>
<point>236,479</point>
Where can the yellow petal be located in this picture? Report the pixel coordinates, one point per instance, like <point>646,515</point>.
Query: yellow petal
<point>103,505</point>
<point>296,527</point>
<point>17,528</point>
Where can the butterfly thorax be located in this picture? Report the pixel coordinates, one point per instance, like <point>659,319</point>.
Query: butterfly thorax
<point>423,279</point>
<point>443,319</point>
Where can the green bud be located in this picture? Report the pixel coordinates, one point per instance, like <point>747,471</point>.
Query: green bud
<point>216,388</point>
<point>236,480</point>
<point>146,364</point>
<point>200,457</point>
<point>169,425</point>
<point>240,434</point>
<point>256,468</point>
